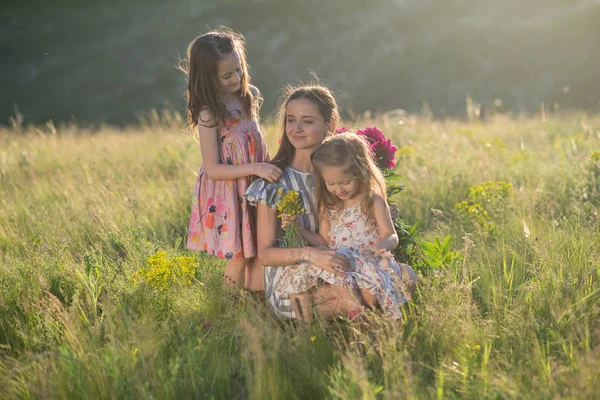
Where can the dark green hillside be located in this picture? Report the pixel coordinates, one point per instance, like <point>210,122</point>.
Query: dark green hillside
<point>107,61</point>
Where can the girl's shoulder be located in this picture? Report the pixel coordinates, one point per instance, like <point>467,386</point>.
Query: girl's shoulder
<point>379,201</point>
<point>206,118</point>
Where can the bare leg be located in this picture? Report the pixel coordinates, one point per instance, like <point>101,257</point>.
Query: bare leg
<point>330,309</point>
<point>325,301</point>
<point>301,304</point>
<point>368,299</point>
<point>234,271</point>
<point>332,301</point>
<point>254,275</point>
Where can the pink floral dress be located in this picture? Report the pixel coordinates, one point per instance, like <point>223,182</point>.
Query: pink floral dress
<point>222,222</point>
<point>350,232</point>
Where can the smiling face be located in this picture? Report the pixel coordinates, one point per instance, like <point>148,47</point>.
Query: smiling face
<point>305,126</point>
<point>341,183</point>
<point>230,73</point>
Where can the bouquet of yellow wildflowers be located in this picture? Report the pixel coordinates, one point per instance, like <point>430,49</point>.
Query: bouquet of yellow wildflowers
<point>289,205</point>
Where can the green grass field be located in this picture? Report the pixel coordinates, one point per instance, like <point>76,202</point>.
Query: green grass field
<point>97,299</point>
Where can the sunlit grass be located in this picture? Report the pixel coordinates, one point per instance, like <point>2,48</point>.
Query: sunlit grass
<point>511,313</point>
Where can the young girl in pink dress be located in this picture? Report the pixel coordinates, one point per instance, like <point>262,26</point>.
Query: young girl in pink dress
<point>223,106</point>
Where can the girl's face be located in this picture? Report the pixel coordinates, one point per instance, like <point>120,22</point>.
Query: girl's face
<point>340,183</point>
<point>229,73</point>
<point>305,126</point>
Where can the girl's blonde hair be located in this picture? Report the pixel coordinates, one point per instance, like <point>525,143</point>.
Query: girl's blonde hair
<point>352,152</point>
<point>200,68</point>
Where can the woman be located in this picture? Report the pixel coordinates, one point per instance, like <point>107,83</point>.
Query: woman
<point>309,114</point>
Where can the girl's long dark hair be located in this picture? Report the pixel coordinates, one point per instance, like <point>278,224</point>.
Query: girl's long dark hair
<point>203,55</point>
<point>322,98</point>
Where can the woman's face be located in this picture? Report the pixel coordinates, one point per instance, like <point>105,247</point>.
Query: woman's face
<point>305,126</point>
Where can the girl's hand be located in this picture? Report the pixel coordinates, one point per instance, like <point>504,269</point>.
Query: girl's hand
<point>286,220</point>
<point>375,250</point>
<point>267,171</point>
<point>329,260</point>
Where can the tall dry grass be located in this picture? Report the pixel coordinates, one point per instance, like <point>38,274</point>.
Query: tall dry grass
<point>505,314</point>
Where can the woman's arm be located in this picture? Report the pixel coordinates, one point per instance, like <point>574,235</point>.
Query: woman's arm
<point>385,226</point>
<point>270,254</point>
<point>213,167</point>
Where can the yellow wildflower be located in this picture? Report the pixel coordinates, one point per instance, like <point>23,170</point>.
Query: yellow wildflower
<point>161,272</point>
<point>289,206</point>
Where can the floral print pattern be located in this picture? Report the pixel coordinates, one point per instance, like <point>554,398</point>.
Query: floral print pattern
<point>222,221</point>
<point>350,232</point>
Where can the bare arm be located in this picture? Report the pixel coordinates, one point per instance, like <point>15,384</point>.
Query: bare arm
<point>217,171</point>
<point>385,226</point>
<point>270,254</point>
<point>324,226</point>
<point>312,238</point>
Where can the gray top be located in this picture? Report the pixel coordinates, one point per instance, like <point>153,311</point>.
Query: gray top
<point>261,191</point>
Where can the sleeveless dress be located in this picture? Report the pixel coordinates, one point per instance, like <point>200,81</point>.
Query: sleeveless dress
<point>350,231</point>
<point>222,223</point>
<point>266,193</point>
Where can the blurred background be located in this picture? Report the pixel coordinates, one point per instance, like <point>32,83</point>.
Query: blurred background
<point>110,61</point>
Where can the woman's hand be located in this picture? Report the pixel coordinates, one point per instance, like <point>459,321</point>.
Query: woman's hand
<point>267,171</point>
<point>329,260</point>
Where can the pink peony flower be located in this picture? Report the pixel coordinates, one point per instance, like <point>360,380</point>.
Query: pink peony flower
<point>342,130</point>
<point>384,152</point>
<point>382,148</point>
<point>372,134</point>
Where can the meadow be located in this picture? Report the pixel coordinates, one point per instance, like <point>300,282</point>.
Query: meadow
<point>100,299</point>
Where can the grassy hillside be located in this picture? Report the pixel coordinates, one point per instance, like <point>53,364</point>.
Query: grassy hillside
<point>99,298</point>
